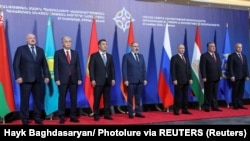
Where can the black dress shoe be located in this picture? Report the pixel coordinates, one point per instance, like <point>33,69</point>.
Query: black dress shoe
<point>96,118</point>
<point>242,107</point>
<point>186,112</point>
<point>176,113</point>
<point>206,110</point>
<point>74,120</point>
<point>24,122</point>
<point>139,115</point>
<point>130,116</point>
<point>216,109</point>
<point>61,121</point>
<point>235,108</point>
<point>39,122</point>
<point>108,118</point>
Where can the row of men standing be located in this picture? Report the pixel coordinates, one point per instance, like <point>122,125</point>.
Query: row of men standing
<point>31,69</point>
<point>211,74</point>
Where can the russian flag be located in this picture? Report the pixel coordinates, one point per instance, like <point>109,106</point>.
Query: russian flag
<point>165,89</point>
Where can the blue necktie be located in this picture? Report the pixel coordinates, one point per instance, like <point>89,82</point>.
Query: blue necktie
<point>136,57</point>
<point>33,52</point>
<point>104,59</point>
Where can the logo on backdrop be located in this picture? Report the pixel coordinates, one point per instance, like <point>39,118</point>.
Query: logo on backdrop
<point>122,19</point>
<point>224,66</point>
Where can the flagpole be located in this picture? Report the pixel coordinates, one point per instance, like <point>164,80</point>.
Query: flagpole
<point>51,116</point>
<point>228,106</point>
<point>3,120</point>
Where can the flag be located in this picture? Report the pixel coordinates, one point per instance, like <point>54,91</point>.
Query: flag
<point>225,84</point>
<point>116,94</point>
<point>7,103</point>
<point>215,38</point>
<point>186,54</point>
<point>93,47</point>
<point>81,99</point>
<point>128,49</point>
<point>51,89</point>
<point>150,95</point>
<point>197,86</point>
<point>165,83</point>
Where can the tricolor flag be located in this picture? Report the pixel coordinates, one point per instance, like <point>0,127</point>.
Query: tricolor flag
<point>197,86</point>
<point>7,103</point>
<point>165,83</point>
<point>51,89</point>
<point>93,47</point>
<point>128,49</point>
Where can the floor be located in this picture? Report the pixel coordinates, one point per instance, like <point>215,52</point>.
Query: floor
<point>243,120</point>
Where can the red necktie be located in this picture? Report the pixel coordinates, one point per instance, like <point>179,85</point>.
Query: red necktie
<point>68,57</point>
<point>214,58</point>
<point>241,59</point>
<point>183,58</point>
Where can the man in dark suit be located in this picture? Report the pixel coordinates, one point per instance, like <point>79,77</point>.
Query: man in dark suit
<point>67,76</point>
<point>102,77</point>
<point>238,73</point>
<point>31,69</point>
<point>181,76</point>
<point>210,69</point>
<point>134,77</point>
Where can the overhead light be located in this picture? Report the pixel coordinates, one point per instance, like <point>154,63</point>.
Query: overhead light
<point>242,3</point>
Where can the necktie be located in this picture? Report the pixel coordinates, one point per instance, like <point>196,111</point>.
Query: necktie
<point>68,57</point>
<point>33,52</point>
<point>104,59</point>
<point>241,59</point>
<point>183,58</point>
<point>136,57</point>
<point>214,58</point>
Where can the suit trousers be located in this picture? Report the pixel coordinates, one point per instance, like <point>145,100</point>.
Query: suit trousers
<point>63,90</point>
<point>134,93</point>
<point>210,94</point>
<point>99,91</point>
<point>181,97</point>
<point>26,89</point>
<point>238,88</point>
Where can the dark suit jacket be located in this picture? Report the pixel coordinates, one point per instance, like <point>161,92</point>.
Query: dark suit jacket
<point>210,69</point>
<point>133,71</point>
<point>29,69</point>
<point>236,68</point>
<point>62,67</point>
<point>98,70</point>
<point>180,70</point>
